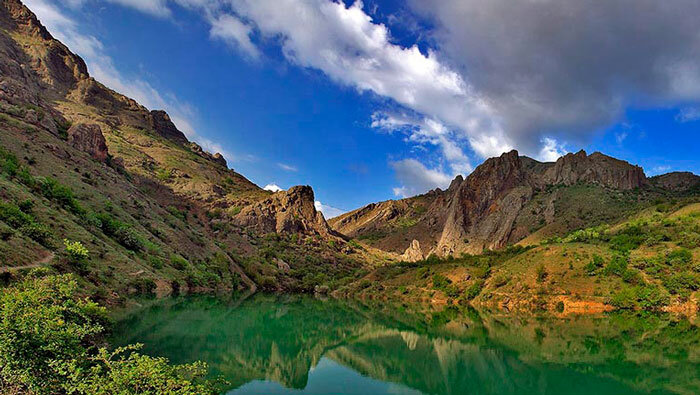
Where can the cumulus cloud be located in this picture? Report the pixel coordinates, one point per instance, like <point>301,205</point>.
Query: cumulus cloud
<point>415,178</point>
<point>568,67</point>
<point>234,32</point>
<point>102,68</point>
<point>328,211</point>
<point>272,187</point>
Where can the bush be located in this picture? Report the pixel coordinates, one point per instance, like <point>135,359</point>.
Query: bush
<point>625,298</point>
<point>541,273</point>
<point>440,282</point>
<point>75,251</point>
<point>679,258</point>
<point>61,194</point>
<point>178,262</point>
<point>129,238</point>
<point>30,353</point>
<point>14,216</point>
<point>60,355</point>
<point>595,264</point>
<point>474,290</point>
<point>37,232</point>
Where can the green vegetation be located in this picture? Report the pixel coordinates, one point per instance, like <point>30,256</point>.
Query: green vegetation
<point>62,353</point>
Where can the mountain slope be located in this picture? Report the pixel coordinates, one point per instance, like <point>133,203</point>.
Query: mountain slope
<point>85,163</point>
<point>510,199</point>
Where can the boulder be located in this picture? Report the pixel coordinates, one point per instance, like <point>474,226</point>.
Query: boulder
<point>88,138</point>
<point>413,253</point>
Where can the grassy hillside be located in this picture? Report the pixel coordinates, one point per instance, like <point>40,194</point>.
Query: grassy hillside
<point>649,261</point>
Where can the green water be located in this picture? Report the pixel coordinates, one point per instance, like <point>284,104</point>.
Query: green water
<point>300,345</point>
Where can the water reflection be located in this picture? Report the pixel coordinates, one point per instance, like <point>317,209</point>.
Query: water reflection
<point>272,344</point>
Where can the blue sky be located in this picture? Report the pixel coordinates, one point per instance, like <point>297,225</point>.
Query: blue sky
<point>382,99</point>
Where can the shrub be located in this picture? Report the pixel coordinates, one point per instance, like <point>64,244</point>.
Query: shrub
<point>61,194</point>
<point>440,282</point>
<point>682,283</point>
<point>14,216</point>
<point>625,298</point>
<point>30,353</point>
<point>474,290</point>
<point>37,232</point>
<point>595,264</point>
<point>679,258</point>
<point>75,251</point>
<point>129,238</point>
<point>178,262</point>
<point>541,273</point>
<point>60,355</point>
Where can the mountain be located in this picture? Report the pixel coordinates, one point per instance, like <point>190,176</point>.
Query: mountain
<point>84,163</point>
<point>507,200</point>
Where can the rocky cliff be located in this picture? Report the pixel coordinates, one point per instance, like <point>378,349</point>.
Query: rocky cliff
<point>501,202</point>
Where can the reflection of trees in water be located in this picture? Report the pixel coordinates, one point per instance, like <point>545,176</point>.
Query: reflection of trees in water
<point>450,352</point>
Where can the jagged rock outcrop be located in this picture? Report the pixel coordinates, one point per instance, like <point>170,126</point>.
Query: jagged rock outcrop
<point>88,138</point>
<point>413,253</point>
<point>481,211</point>
<point>595,168</point>
<point>290,211</point>
<point>162,124</point>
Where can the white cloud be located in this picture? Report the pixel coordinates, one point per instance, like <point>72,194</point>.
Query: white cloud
<point>234,32</point>
<point>620,137</point>
<point>415,178</point>
<point>273,187</point>
<point>551,150</point>
<point>287,167</point>
<point>662,169</point>
<point>157,8</point>
<point>328,211</point>
<point>102,68</point>
<point>688,114</point>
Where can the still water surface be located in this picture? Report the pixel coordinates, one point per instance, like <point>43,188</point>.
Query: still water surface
<point>268,344</point>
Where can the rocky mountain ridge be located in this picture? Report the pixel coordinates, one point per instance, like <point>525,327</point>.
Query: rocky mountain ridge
<point>484,210</point>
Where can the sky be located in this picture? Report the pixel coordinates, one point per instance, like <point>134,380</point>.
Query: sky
<point>384,99</point>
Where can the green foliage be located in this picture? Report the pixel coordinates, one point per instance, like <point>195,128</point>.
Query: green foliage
<point>44,324</point>
<point>177,213</point>
<point>596,263</point>
<point>178,262</point>
<point>75,251</point>
<point>473,290</point>
<point>14,216</point>
<point>126,372</point>
<point>440,282</point>
<point>164,175</point>
<point>649,297</point>
<point>679,258</point>
<point>8,162</point>
<point>541,273</point>
<point>120,232</point>
<point>48,338</point>
<point>61,194</point>
<point>682,283</point>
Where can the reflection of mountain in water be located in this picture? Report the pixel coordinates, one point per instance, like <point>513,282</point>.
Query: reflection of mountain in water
<point>280,339</point>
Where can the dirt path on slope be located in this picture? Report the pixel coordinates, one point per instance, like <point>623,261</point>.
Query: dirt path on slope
<point>42,262</point>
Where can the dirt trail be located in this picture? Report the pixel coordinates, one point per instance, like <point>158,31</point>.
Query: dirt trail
<point>41,262</point>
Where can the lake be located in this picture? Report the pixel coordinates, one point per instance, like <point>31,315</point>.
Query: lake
<point>280,344</point>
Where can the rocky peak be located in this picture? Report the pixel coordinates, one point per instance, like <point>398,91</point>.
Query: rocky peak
<point>164,126</point>
<point>58,67</point>
<point>596,169</point>
<point>88,138</point>
<point>290,211</point>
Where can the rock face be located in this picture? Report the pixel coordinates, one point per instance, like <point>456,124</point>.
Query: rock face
<point>161,124</point>
<point>677,181</point>
<point>481,211</point>
<point>88,138</point>
<point>413,253</point>
<point>290,211</point>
